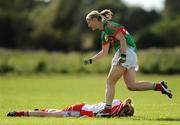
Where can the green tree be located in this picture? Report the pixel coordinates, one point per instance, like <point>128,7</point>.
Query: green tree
<point>172,8</point>
<point>169,30</point>
<point>138,19</point>
<point>146,39</point>
<point>14,23</point>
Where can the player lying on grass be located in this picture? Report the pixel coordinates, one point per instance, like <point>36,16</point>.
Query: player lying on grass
<point>119,108</point>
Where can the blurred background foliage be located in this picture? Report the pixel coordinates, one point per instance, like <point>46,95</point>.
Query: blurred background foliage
<point>158,61</point>
<point>45,27</point>
<point>61,25</point>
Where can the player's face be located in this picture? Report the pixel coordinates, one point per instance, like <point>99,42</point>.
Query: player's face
<point>92,23</point>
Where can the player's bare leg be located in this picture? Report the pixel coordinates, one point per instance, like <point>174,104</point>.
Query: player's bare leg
<point>114,75</point>
<point>129,78</point>
<point>57,113</point>
<point>47,114</point>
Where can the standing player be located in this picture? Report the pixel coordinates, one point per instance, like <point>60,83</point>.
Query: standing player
<point>119,108</point>
<point>124,62</point>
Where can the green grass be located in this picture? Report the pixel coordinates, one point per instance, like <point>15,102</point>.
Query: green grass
<point>57,91</point>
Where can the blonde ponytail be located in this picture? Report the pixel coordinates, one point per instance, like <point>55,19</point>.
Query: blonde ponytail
<point>107,14</point>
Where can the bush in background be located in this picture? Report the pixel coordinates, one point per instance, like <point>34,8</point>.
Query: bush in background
<point>164,61</point>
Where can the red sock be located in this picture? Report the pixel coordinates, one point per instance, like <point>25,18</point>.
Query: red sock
<point>22,114</point>
<point>158,87</point>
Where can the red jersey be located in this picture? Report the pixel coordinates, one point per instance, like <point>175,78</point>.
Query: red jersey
<point>91,109</point>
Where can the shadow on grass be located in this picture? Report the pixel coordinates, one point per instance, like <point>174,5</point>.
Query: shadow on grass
<point>155,119</point>
<point>168,119</point>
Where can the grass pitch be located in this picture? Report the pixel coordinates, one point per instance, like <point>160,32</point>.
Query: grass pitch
<point>57,91</point>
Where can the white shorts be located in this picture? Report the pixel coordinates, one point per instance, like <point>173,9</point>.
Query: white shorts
<point>131,59</point>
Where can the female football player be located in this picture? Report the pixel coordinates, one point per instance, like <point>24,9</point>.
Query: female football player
<point>119,108</point>
<point>125,59</point>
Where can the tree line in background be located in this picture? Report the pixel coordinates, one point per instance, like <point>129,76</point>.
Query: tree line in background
<point>19,62</point>
<point>61,25</point>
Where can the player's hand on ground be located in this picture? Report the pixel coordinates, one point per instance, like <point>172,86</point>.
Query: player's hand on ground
<point>87,61</point>
<point>122,58</point>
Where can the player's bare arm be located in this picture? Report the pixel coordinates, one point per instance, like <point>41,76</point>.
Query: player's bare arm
<point>102,53</point>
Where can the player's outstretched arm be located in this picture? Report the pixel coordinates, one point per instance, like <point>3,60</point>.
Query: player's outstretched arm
<point>102,53</point>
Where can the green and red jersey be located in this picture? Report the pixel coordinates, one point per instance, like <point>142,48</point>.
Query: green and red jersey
<point>112,28</point>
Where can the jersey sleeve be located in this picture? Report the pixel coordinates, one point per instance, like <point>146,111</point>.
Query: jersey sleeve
<point>121,30</point>
<point>104,39</point>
